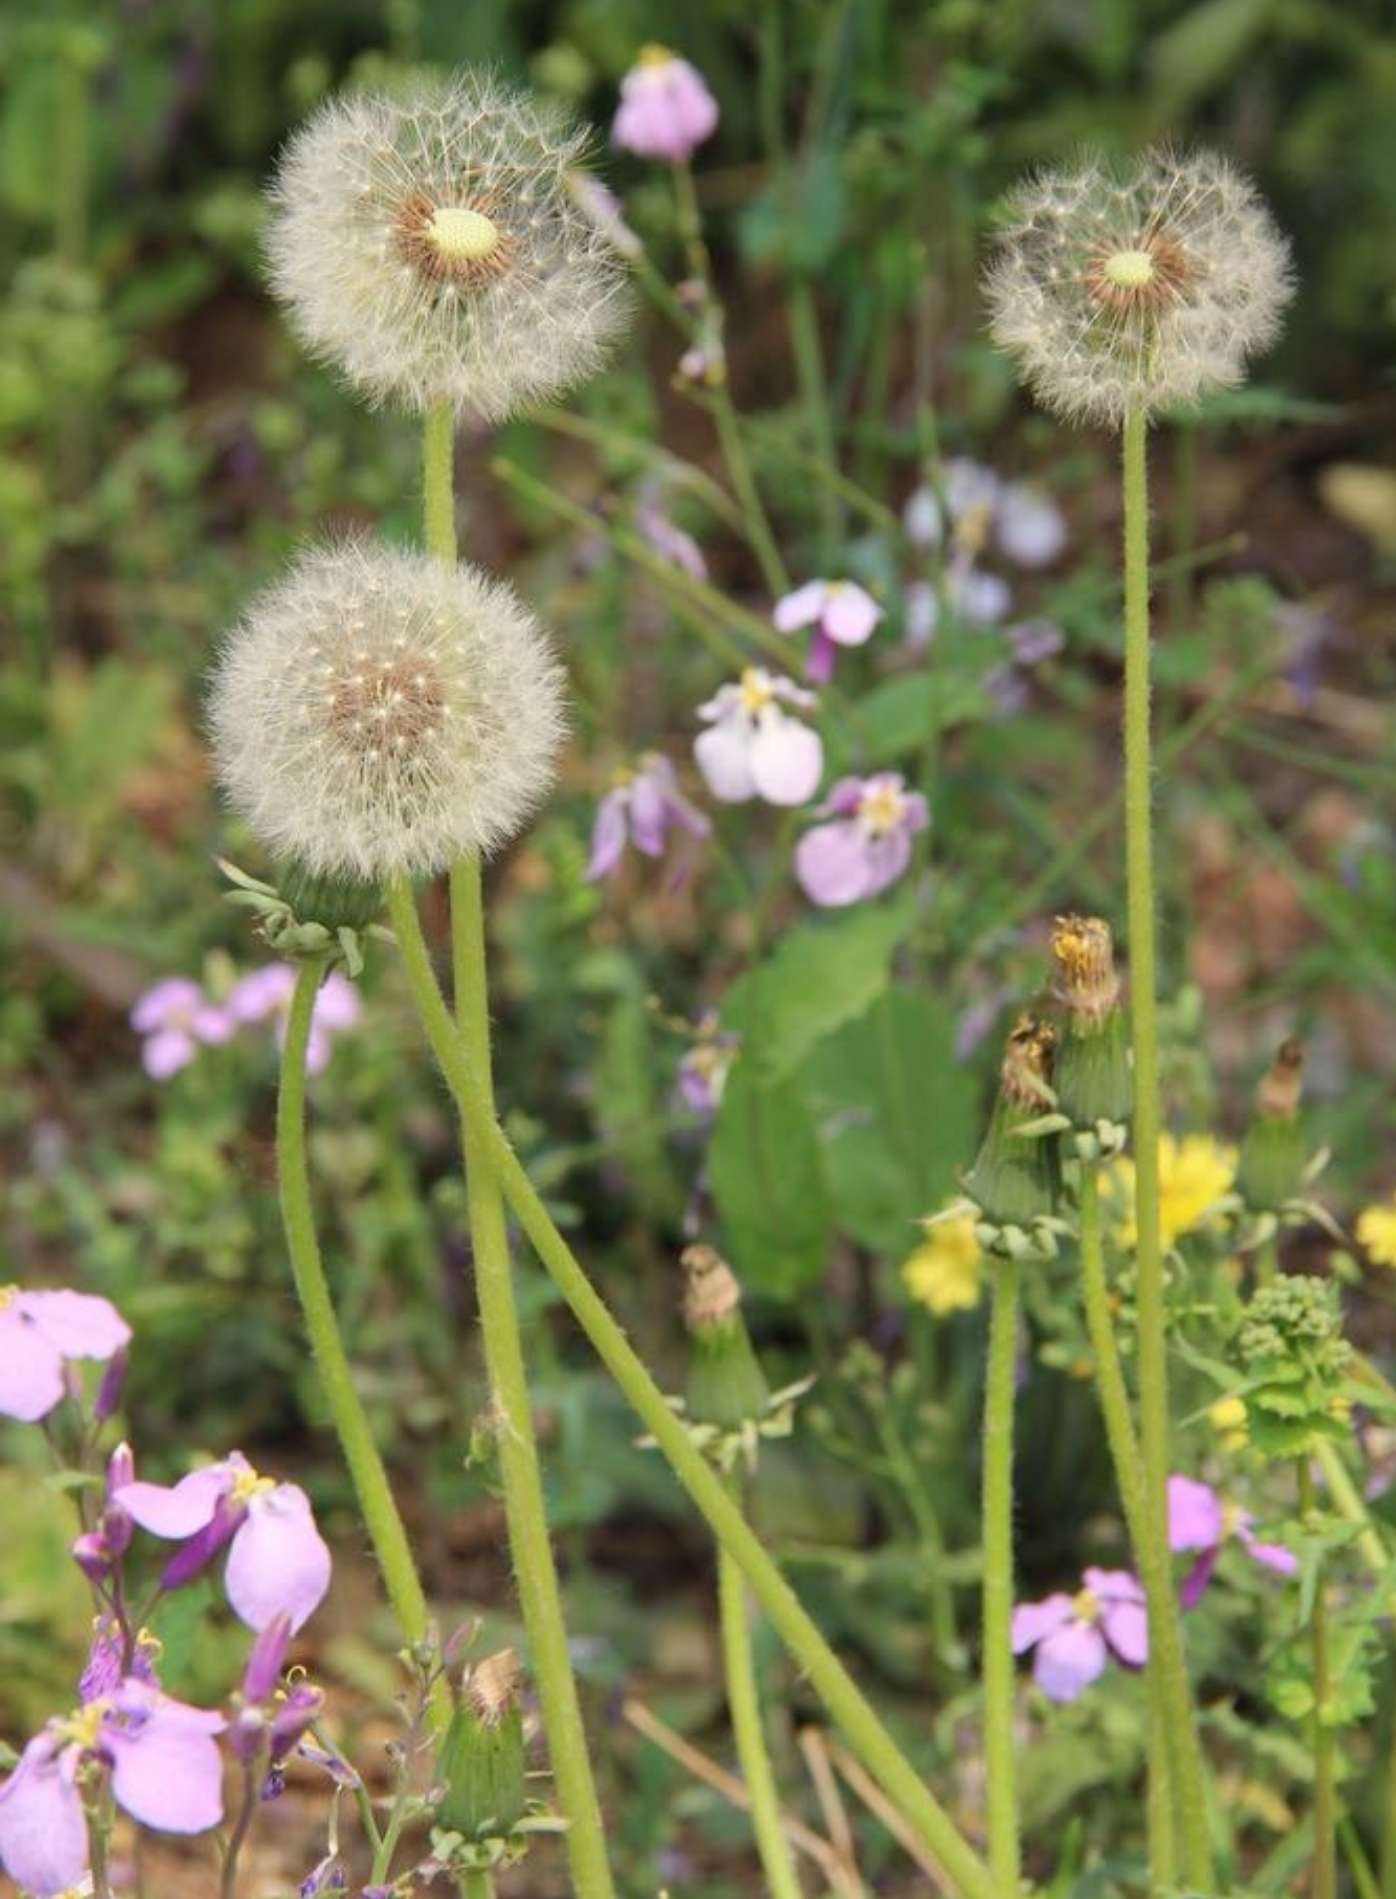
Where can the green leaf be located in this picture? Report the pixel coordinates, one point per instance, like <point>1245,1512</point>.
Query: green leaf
<point>900,715</point>
<point>1203,48</point>
<point>768,1181</point>
<point>822,975</point>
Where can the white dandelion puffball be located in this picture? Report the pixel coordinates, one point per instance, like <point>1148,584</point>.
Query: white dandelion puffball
<point>432,248</point>
<point>378,712</point>
<point>1138,290</point>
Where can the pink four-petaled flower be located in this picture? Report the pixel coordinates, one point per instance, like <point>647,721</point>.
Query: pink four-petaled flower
<point>174,1018</point>
<point>666,110</point>
<point>754,748</point>
<point>39,1332</point>
<point>1198,1519</point>
<point>642,806</point>
<point>841,613</point>
<point>1074,1636</point>
<point>867,844</point>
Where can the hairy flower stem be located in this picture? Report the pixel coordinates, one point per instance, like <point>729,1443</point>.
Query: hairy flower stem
<point>371,1487</point>
<point>846,1703</point>
<point>1124,1453</point>
<point>529,1542</point>
<point>1324,1882</point>
<point>478,1884</point>
<point>1000,1769</point>
<point>744,1707</point>
<point>1167,1669</point>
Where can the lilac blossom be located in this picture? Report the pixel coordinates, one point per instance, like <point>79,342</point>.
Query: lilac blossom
<point>1026,524</point>
<point>754,748</point>
<point>112,1658</point>
<point>1074,1636</point>
<point>1198,1519</point>
<point>165,1767</point>
<point>266,993</point>
<point>39,1333</point>
<point>278,1563</point>
<point>971,595</point>
<point>666,110</point>
<point>866,846</point>
<point>841,613</point>
<point>642,807</point>
<point>174,1018</point>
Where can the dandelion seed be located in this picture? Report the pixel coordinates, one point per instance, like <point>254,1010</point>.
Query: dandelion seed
<point>395,758</point>
<point>1142,292</point>
<point>434,250</point>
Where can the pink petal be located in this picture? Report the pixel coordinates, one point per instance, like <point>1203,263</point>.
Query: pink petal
<point>167,1771</point>
<point>1069,1660</point>
<point>165,1053</point>
<point>261,992</point>
<point>77,1324</point>
<point>338,1005</point>
<point>176,996</point>
<point>850,615</point>
<point>279,1563</point>
<point>649,813</point>
<point>1113,1585</point>
<point>1034,1620</point>
<point>178,1510</point>
<point>886,859</point>
<point>1194,1585</point>
<point>831,863</point>
<point>31,1368</point>
<point>1031,529</point>
<point>801,608</point>
<point>666,111</point>
<point>786,759</point>
<point>608,835</point>
<point>212,1025</point>
<point>1196,1520</point>
<point>821,658</point>
<point>723,754</point>
<point>983,598</point>
<point>1272,1555</point>
<point>43,1836</point>
<point>1126,1628</point>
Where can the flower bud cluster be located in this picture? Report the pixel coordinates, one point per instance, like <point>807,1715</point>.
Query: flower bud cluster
<point>1296,1361</point>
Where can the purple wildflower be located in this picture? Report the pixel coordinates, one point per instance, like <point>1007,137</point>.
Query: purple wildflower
<point>753,747</point>
<point>866,846</point>
<point>642,806</point>
<point>1075,1635</point>
<point>1027,524</point>
<point>1198,1519</point>
<point>666,110</point>
<point>165,1767</point>
<point>841,614</point>
<point>39,1333</point>
<point>174,1018</point>
<point>278,1563</point>
<point>266,993</point>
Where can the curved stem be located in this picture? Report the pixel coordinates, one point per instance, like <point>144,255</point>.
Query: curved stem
<point>997,1661</point>
<point>242,1826</point>
<point>1325,1867</point>
<point>830,1680</point>
<point>529,1542</point>
<point>744,1706</point>
<point>371,1487</point>
<point>1167,1670</point>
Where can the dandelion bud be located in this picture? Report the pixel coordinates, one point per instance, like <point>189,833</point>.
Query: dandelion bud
<point>1091,1072</point>
<point>726,1385</point>
<point>1016,1176</point>
<point>378,712</point>
<point>1272,1155</point>
<point>1137,291</point>
<point>432,249</point>
<point>481,1763</point>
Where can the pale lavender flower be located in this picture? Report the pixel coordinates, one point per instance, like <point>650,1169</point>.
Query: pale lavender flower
<point>278,1563</point>
<point>39,1333</point>
<point>642,807</point>
<point>266,993</point>
<point>107,1665</point>
<point>841,613</point>
<point>1074,1636</point>
<point>754,747</point>
<point>867,844</point>
<point>1198,1519</point>
<point>1025,523</point>
<point>666,110</point>
<point>165,1767</point>
<point>174,1018</point>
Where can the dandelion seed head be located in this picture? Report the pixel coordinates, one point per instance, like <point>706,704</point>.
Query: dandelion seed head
<point>1143,290</point>
<point>377,712</point>
<point>432,249</point>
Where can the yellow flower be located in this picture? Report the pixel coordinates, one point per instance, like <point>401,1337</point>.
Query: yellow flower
<point>1194,1174</point>
<point>944,1274</point>
<point>1376,1229</point>
<point>1227,1418</point>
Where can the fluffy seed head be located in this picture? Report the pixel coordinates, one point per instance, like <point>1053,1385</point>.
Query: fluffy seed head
<point>378,712</point>
<point>431,248</point>
<point>1140,289</point>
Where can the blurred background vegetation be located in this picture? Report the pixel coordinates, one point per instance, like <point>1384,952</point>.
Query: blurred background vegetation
<point>164,444</point>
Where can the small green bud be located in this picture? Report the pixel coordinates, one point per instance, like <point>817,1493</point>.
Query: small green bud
<point>726,1385</point>
<point>1296,1361</point>
<point>481,1763</point>
<point>1271,1169</point>
<point>1091,1073</point>
<point>337,903</point>
<point>1016,1177</point>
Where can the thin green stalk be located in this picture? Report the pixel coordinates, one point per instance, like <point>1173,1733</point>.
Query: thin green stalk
<point>1388,1843</point>
<point>478,1884</point>
<point>1324,1884</point>
<point>371,1487</point>
<point>1124,1453</point>
<point>1000,1768</point>
<point>814,397</point>
<point>846,1703</point>
<point>1167,1669</point>
<point>744,1707</point>
<point>529,1542</point>
<point>909,1481</point>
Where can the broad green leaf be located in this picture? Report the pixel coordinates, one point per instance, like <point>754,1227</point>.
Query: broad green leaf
<point>768,1181</point>
<point>901,715</point>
